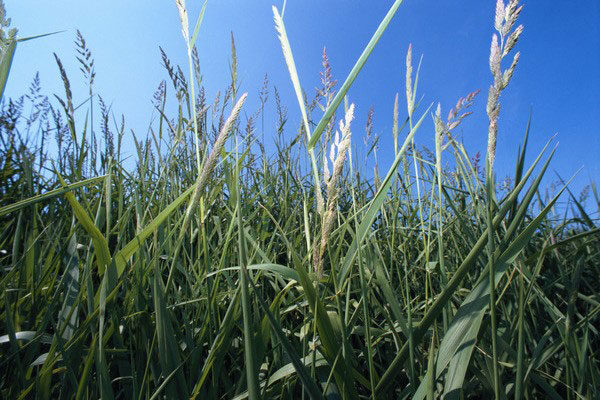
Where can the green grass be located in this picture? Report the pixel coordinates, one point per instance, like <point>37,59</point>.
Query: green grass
<point>193,274</point>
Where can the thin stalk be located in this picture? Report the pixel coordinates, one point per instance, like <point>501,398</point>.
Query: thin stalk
<point>492,274</point>
<point>521,338</point>
<point>364,294</point>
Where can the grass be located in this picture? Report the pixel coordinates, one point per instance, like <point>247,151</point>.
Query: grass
<point>214,269</point>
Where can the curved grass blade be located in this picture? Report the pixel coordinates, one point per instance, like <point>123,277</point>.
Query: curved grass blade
<point>103,258</point>
<point>282,270</point>
<point>289,60</point>
<point>49,195</point>
<point>122,256</point>
<point>197,27</point>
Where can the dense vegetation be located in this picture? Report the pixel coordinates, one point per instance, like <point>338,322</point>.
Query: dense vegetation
<point>216,268</point>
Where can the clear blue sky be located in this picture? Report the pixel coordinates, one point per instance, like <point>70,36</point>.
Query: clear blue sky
<point>558,75</point>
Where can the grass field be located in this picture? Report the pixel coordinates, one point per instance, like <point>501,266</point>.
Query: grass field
<point>219,268</point>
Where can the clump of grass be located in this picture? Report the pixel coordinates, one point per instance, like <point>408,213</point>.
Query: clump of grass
<point>191,275</point>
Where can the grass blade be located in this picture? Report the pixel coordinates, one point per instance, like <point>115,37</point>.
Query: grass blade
<point>353,74</point>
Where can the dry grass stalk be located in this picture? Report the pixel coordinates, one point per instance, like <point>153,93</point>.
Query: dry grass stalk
<point>395,126</point>
<point>209,165</point>
<point>409,87</point>
<point>337,155</point>
<point>500,47</point>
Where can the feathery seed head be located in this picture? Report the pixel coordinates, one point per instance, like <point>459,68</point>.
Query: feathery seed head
<point>326,173</point>
<point>500,15</point>
<point>340,146</point>
<point>409,94</point>
<point>439,126</point>
<point>512,13</point>
<point>495,59</point>
<point>332,152</point>
<point>183,18</point>
<point>439,137</point>
<point>212,160</point>
<point>512,40</point>
<point>509,72</point>
<point>492,99</point>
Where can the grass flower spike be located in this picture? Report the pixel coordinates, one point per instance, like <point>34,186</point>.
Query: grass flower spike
<point>500,47</point>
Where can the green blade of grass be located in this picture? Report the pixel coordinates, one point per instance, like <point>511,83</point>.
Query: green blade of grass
<point>27,38</point>
<point>87,367</point>
<point>122,256</point>
<point>221,342</point>
<point>197,27</point>
<point>282,270</point>
<point>101,250</point>
<point>459,341</point>
<point>67,316</point>
<point>168,350</point>
<point>353,74</point>
<point>249,351</point>
<point>49,195</point>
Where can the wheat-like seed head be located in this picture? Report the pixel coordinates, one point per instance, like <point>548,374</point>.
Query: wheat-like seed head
<point>339,147</point>
<point>500,15</point>
<point>337,155</point>
<point>210,162</point>
<point>503,22</point>
<point>509,72</point>
<point>512,40</point>
<point>409,94</point>
<point>512,13</point>
<point>495,58</point>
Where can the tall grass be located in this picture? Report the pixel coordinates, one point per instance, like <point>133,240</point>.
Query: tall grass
<point>215,269</point>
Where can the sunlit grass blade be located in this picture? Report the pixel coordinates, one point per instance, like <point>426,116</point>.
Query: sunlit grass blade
<point>197,26</point>
<point>459,341</point>
<point>101,250</point>
<point>249,348</point>
<point>442,299</point>
<point>353,74</point>
<point>289,60</point>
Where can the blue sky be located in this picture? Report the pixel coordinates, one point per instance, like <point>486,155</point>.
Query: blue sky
<point>558,76</point>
